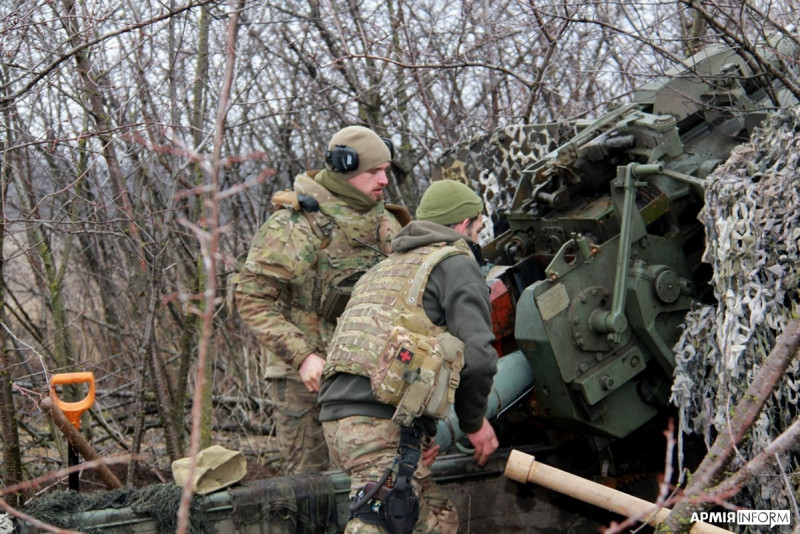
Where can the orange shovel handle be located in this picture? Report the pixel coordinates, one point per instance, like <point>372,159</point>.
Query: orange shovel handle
<point>73,410</point>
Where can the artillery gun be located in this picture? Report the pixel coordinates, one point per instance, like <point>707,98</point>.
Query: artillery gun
<point>601,258</point>
<point>596,266</point>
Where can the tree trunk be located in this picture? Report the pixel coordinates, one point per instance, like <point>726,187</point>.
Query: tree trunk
<point>12,460</point>
<point>189,344</point>
<point>12,464</point>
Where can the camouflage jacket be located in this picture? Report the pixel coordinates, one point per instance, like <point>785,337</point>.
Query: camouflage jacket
<point>293,261</point>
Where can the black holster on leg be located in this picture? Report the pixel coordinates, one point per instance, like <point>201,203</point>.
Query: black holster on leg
<point>394,509</point>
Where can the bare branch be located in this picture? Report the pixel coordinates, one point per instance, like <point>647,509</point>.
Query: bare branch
<point>8,98</point>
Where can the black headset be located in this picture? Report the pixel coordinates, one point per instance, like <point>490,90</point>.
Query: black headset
<point>343,159</point>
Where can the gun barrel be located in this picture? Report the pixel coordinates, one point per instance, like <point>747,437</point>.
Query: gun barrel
<point>513,379</point>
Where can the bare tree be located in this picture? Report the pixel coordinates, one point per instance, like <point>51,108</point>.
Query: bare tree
<point>124,123</point>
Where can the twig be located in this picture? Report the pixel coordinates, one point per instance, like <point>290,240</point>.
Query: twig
<point>698,494</point>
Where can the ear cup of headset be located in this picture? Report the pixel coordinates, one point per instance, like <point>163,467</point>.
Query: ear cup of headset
<point>390,146</point>
<point>343,159</point>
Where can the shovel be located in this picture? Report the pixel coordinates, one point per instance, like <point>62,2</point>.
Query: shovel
<point>73,411</point>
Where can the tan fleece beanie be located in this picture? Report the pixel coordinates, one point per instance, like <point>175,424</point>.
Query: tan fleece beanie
<point>371,149</point>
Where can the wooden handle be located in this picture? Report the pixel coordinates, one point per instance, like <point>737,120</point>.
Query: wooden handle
<point>79,442</point>
<point>523,468</point>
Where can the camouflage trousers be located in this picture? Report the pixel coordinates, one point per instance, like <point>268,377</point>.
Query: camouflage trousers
<point>364,447</point>
<point>298,430</point>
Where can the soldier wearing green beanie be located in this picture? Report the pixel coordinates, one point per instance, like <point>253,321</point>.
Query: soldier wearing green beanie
<point>324,233</point>
<point>448,202</point>
<point>364,434</point>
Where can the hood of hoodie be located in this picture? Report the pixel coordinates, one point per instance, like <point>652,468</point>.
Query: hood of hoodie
<point>420,233</point>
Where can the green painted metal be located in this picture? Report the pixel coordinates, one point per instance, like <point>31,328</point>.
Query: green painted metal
<point>514,378</point>
<point>604,246</point>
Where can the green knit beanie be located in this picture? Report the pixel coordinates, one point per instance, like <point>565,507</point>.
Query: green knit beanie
<point>449,202</point>
<point>371,149</point>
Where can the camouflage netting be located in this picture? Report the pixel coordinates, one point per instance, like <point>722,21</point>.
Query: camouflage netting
<point>494,161</point>
<point>306,502</point>
<point>159,502</point>
<point>299,503</point>
<point>752,225</point>
<point>6,525</point>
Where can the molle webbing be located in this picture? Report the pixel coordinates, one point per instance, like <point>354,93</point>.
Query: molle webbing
<point>342,232</point>
<point>420,279</point>
<point>390,294</point>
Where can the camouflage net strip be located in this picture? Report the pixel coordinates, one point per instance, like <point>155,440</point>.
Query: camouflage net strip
<point>752,220</point>
<point>492,163</point>
<point>6,525</point>
<point>160,502</point>
<point>299,504</point>
<point>307,502</point>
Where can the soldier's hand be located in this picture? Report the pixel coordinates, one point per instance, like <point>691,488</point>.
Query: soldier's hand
<point>311,371</point>
<point>429,455</point>
<point>484,441</point>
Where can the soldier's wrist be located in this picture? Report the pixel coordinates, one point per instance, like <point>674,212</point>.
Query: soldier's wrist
<point>298,360</point>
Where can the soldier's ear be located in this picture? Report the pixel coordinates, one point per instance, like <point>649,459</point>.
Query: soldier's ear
<point>462,227</point>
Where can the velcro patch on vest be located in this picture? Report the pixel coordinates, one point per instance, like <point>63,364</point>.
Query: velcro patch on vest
<point>405,356</point>
<point>417,373</point>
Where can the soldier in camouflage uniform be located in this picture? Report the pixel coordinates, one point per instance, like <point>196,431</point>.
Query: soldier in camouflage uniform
<point>328,231</point>
<point>432,285</point>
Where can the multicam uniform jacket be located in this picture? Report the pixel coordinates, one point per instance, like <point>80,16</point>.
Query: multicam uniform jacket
<point>295,258</point>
